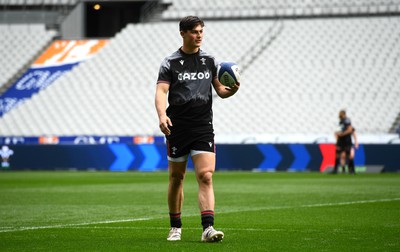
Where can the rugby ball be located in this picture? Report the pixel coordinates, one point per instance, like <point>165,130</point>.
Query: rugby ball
<point>228,73</point>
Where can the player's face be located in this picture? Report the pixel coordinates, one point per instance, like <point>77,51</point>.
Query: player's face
<point>193,38</point>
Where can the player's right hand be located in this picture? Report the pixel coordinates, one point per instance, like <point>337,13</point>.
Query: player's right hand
<point>164,123</point>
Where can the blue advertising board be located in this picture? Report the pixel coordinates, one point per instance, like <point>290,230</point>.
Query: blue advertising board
<point>153,157</point>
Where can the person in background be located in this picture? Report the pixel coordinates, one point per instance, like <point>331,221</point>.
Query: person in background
<point>344,142</point>
<point>343,161</point>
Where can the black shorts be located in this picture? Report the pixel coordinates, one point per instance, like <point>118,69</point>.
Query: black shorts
<point>343,148</point>
<point>185,141</point>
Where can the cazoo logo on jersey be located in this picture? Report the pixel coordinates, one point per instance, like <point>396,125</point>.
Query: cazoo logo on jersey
<point>194,76</point>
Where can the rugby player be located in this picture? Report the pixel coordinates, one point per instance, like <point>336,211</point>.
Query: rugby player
<point>344,142</point>
<point>186,78</point>
<point>343,161</point>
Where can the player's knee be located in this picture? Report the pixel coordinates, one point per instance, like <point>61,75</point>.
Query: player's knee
<point>177,177</point>
<point>205,177</point>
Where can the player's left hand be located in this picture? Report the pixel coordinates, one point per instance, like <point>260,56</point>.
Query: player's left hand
<point>233,88</point>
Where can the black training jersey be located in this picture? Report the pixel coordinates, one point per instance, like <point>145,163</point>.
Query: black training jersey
<point>344,140</point>
<point>190,93</point>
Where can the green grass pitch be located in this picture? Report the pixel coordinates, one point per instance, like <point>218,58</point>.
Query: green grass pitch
<point>104,211</point>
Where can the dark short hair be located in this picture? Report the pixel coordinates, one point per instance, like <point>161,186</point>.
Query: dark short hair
<point>190,22</point>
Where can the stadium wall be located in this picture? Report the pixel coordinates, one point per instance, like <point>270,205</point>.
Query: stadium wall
<point>152,157</point>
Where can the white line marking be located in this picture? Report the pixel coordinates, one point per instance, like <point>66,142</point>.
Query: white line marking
<point>8,229</point>
<point>74,225</point>
<point>351,202</point>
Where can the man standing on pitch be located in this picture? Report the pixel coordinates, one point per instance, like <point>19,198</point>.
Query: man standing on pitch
<point>344,143</point>
<point>186,77</point>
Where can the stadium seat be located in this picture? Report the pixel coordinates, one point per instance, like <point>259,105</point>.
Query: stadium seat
<point>19,43</point>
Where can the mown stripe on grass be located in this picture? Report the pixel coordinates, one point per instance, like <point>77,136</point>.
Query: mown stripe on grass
<point>8,229</point>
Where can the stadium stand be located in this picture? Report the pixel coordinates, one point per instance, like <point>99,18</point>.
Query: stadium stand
<point>316,67</point>
<point>269,8</point>
<point>297,73</point>
<point>297,84</point>
<point>113,94</point>
<point>19,44</point>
